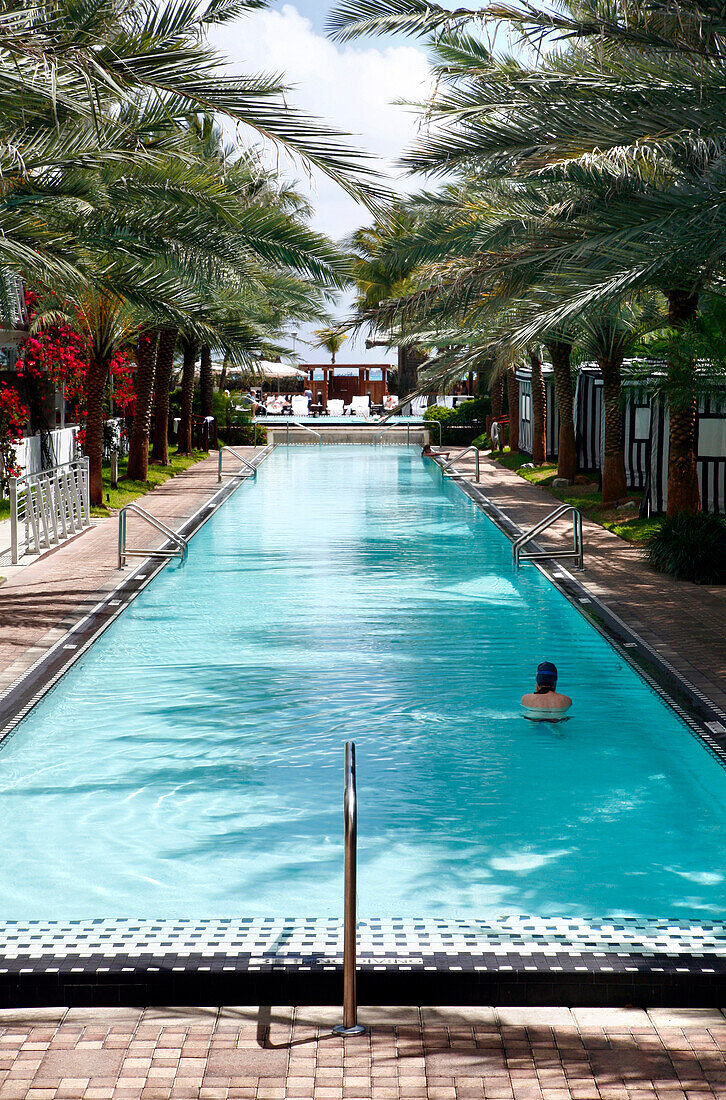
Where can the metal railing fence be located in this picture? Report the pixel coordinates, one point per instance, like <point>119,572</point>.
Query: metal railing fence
<point>48,507</point>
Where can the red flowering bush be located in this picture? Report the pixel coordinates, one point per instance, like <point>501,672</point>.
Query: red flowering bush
<point>60,353</point>
<point>13,415</point>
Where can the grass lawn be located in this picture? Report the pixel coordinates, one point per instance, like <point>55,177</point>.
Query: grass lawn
<point>130,490</point>
<point>586,497</point>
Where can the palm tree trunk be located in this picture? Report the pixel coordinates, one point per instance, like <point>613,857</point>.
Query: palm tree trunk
<point>206,380</point>
<point>223,374</point>
<point>683,491</point>
<point>138,465</point>
<point>539,410</point>
<point>513,403</point>
<point>497,396</point>
<point>190,348</point>
<point>162,379</point>
<point>560,352</point>
<point>409,360</point>
<point>96,379</point>
<point>614,484</point>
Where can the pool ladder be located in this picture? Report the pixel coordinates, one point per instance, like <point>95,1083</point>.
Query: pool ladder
<point>246,464</point>
<point>305,428</point>
<point>178,549</point>
<point>457,473</point>
<point>577,550</point>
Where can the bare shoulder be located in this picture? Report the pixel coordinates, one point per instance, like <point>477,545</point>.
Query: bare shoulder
<point>531,700</point>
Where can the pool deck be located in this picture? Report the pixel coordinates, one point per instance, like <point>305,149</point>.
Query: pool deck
<point>438,1053</point>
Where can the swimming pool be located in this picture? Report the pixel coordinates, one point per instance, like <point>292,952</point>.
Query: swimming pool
<point>190,764</point>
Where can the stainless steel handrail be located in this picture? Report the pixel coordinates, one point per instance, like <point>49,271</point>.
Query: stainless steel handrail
<point>145,552</point>
<point>305,428</point>
<point>577,548</point>
<point>350,1025</point>
<point>390,427</point>
<point>241,458</point>
<point>448,465</point>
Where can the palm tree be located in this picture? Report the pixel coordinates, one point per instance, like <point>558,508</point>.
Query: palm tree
<point>383,271</point>
<point>331,339</point>
<point>539,407</point>
<point>513,403</point>
<point>560,352</point>
<point>146,347</point>
<point>162,379</point>
<point>206,380</point>
<point>190,351</point>
<point>96,104</point>
<point>577,107</point>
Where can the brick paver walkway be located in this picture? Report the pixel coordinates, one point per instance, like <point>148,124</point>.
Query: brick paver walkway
<point>40,601</point>
<point>685,623</point>
<point>431,1054</point>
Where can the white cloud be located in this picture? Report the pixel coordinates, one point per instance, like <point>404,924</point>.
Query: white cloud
<point>352,88</point>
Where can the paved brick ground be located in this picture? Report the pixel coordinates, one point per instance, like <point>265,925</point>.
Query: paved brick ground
<point>685,623</point>
<point>38,602</point>
<point>431,1054</point>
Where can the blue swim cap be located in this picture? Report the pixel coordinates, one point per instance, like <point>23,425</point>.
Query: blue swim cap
<point>546,674</point>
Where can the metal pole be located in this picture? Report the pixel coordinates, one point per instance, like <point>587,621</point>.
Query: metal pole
<point>86,490</point>
<point>476,452</point>
<point>219,464</point>
<point>350,1025</point>
<point>121,538</point>
<point>408,435</point>
<point>14,520</point>
<point>287,434</point>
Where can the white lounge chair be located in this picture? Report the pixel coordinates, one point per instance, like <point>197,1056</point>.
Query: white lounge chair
<point>419,406</point>
<point>336,407</point>
<point>359,406</point>
<point>389,402</point>
<point>445,402</point>
<point>300,406</point>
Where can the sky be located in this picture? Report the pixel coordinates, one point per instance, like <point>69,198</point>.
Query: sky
<point>354,88</point>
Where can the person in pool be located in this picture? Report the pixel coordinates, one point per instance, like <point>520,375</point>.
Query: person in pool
<point>426,452</point>
<point>545,703</point>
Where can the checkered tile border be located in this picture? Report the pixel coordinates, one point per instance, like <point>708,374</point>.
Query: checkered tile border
<point>521,944</point>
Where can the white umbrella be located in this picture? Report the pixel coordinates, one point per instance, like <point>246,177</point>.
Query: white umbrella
<point>278,370</point>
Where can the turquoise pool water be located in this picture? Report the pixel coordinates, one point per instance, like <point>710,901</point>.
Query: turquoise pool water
<point>191,763</point>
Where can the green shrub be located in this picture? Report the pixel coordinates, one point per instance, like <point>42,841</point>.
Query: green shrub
<point>474,411</point>
<point>238,429</point>
<point>691,547</point>
<point>462,424</point>
<point>242,434</point>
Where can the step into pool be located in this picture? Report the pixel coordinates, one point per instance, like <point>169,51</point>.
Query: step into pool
<point>190,763</point>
